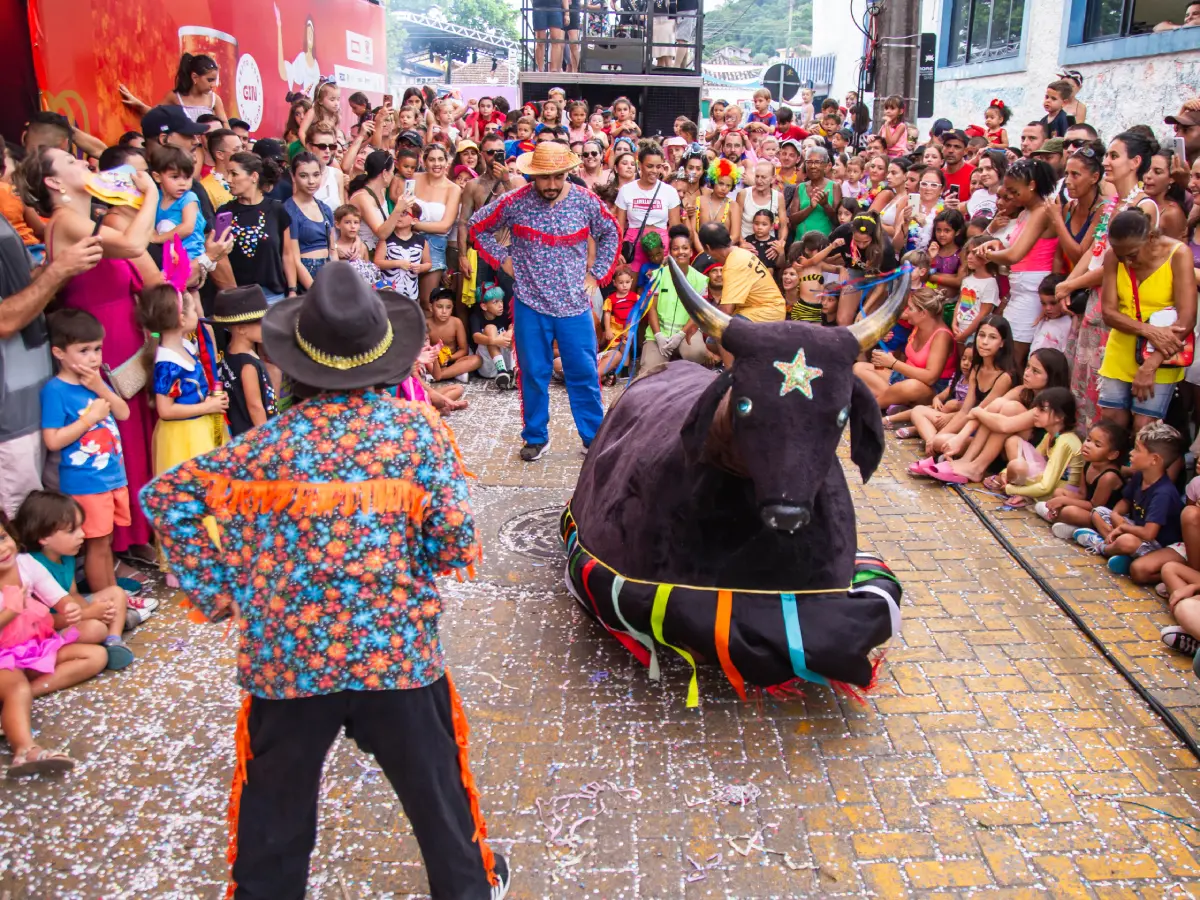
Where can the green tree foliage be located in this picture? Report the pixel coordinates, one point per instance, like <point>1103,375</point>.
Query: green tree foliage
<point>484,15</point>
<point>761,26</point>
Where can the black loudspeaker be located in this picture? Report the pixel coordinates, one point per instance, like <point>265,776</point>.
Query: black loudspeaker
<point>661,105</point>
<point>614,59</point>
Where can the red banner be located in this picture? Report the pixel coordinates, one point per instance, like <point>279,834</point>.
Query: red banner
<point>85,49</point>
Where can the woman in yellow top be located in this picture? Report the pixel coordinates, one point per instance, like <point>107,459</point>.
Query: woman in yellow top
<point>1034,473</point>
<point>1146,280</point>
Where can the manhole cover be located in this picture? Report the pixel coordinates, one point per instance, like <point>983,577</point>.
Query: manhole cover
<point>534,533</point>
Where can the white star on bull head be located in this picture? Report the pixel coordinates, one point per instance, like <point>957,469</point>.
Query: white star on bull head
<point>798,375</point>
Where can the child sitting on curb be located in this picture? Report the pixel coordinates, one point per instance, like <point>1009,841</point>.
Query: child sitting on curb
<point>1147,517</point>
<point>1071,509</point>
<point>1034,472</point>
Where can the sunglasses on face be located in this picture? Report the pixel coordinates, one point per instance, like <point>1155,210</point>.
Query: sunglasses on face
<point>591,154</point>
<point>1075,142</point>
<point>323,146</point>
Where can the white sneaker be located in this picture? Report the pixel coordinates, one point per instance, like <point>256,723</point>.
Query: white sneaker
<point>1063,530</point>
<point>1043,510</point>
<point>464,377</point>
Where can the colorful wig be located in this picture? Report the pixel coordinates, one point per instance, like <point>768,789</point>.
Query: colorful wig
<point>723,168</point>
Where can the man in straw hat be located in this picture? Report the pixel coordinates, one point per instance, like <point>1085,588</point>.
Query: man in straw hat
<point>322,531</point>
<point>550,221</point>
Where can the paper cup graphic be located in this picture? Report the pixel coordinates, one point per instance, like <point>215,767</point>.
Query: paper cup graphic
<point>223,48</point>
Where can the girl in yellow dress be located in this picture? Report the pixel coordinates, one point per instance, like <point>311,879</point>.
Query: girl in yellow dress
<point>190,411</point>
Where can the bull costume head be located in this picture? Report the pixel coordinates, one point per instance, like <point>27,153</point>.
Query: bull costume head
<point>791,392</point>
<point>712,515</point>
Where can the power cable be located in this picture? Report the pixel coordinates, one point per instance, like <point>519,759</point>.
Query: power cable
<point>1161,711</point>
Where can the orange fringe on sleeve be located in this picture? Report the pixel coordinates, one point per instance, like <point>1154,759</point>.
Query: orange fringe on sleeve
<point>461,730</point>
<point>241,741</point>
<point>303,498</point>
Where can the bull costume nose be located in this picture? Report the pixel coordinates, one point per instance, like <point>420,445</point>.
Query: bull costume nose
<point>785,517</point>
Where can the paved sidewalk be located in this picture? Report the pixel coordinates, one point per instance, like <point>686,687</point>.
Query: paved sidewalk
<point>1000,755</point>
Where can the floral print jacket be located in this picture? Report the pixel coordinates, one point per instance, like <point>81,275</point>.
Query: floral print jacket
<point>327,526</point>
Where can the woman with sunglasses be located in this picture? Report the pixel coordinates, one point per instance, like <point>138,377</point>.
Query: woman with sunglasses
<point>1073,221</point>
<point>1125,163</point>
<point>592,170</point>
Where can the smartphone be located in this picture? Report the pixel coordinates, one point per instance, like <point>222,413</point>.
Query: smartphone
<point>954,191</point>
<point>222,223</point>
<point>387,100</point>
<point>1180,149</point>
<point>410,187</point>
<point>914,201</point>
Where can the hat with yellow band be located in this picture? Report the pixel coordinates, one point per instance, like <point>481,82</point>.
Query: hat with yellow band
<point>342,335</point>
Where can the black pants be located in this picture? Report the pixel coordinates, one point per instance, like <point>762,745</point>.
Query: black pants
<point>410,733</point>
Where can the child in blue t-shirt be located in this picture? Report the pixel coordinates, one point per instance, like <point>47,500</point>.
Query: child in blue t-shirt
<point>78,412</point>
<point>178,210</point>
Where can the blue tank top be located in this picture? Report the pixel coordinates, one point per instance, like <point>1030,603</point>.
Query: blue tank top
<point>309,234</point>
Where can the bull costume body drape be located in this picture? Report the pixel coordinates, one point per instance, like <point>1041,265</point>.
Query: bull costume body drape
<point>712,518</point>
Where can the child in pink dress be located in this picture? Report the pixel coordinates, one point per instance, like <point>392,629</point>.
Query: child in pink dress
<point>34,658</point>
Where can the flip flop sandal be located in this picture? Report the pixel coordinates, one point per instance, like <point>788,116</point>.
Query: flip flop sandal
<point>1017,502</point>
<point>944,472</point>
<point>993,483</point>
<point>922,467</point>
<point>46,762</point>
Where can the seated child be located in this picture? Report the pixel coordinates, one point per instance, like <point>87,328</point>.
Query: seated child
<point>34,658</point>
<point>615,323</point>
<point>404,255</point>
<point>447,333</point>
<point>762,242</point>
<point>938,414</point>
<point>1071,509</point>
<point>652,247</point>
<point>807,257</point>
<point>50,526</point>
<point>491,330</point>
<point>1033,473</point>
<point>1056,326</point>
<point>251,395</point>
<point>1147,517</point>
<point>79,413</point>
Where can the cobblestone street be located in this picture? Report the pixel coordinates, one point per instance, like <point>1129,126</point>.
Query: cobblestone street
<point>1000,755</point>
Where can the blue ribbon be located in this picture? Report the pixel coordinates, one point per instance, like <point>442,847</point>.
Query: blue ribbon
<point>633,343</point>
<point>791,624</point>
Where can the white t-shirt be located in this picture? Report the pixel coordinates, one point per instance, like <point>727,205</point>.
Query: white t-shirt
<point>973,294</point>
<point>636,203</point>
<point>302,76</point>
<point>981,203</point>
<point>1052,333</point>
<point>40,582</point>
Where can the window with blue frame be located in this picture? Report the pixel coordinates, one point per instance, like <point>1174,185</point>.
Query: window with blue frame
<point>983,30</point>
<point>1109,19</point>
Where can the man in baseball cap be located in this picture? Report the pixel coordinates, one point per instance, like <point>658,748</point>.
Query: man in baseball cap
<point>161,122</point>
<point>1187,126</point>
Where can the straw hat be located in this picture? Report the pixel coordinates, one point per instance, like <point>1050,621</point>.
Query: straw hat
<point>547,158</point>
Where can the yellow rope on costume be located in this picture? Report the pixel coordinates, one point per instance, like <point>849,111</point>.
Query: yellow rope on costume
<point>461,731</point>
<point>241,743</point>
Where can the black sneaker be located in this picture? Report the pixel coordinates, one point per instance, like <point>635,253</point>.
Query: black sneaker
<point>503,877</point>
<point>504,380</point>
<point>532,452</point>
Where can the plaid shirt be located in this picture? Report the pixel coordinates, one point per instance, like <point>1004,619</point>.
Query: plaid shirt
<point>327,526</point>
<point>549,260</point>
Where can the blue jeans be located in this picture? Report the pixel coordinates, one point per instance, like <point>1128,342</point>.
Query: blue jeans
<point>534,334</point>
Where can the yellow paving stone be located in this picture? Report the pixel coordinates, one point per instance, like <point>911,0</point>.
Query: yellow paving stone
<point>1004,856</point>
<point>948,873</point>
<point>893,845</point>
<point>1117,866</point>
<point>884,880</point>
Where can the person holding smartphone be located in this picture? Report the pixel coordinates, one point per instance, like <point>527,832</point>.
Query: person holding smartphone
<point>494,181</point>
<point>957,170</point>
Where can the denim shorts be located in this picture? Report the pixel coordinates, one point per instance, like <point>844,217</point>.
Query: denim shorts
<point>1115,394</point>
<point>437,251</point>
<point>545,19</point>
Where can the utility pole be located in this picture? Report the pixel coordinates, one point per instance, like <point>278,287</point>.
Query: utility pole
<point>791,9</point>
<point>896,62</point>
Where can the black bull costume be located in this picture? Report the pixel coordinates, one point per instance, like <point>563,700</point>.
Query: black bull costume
<point>712,516</point>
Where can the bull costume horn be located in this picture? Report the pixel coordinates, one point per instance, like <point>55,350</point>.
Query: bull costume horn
<point>710,319</point>
<point>870,330</point>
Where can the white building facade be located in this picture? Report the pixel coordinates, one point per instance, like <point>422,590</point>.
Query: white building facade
<point>1012,49</point>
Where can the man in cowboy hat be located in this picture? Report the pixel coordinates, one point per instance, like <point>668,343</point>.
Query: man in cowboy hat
<point>322,530</point>
<point>550,221</point>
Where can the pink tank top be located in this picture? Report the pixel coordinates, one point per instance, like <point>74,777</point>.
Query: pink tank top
<point>1040,257</point>
<point>920,358</point>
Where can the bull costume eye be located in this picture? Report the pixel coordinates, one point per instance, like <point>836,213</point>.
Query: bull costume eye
<point>744,405</point>
<point>843,417</point>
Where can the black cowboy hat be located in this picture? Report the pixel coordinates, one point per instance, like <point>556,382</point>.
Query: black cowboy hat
<point>342,335</point>
<point>237,306</point>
